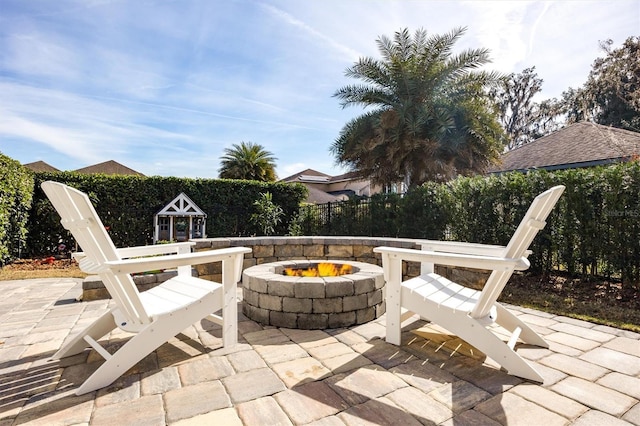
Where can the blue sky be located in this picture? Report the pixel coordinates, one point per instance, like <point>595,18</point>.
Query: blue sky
<point>165,86</point>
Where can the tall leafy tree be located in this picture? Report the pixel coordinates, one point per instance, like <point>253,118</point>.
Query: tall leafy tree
<point>428,118</point>
<point>249,161</point>
<point>514,99</point>
<point>546,118</point>
<point>523,119</point>
<point>611,95</point>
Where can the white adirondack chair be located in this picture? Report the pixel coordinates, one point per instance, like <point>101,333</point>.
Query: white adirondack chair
<point>155,315</point>
<point>466,312</point>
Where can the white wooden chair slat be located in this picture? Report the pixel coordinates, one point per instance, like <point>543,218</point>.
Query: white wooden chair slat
<point>464,311</point>
<point>155,315</point>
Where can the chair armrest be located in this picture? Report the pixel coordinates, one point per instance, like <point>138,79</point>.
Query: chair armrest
<point>466,248</point>
<point>456,259</point>
<point>128,266</point>
<point>172,248</point>
<point>462,248</point>
<point>141,251</point>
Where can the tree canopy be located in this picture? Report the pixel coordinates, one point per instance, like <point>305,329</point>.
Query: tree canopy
<point>522,118</point>
<point>611,95</point>
<point>429,116</point>
<point>248,161</point>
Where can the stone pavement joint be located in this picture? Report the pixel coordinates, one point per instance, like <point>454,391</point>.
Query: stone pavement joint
<point>333,377</point>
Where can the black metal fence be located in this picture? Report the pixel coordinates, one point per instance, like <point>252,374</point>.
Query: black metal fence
<point>377,216</point>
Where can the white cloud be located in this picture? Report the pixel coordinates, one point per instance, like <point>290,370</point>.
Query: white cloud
<point>501,27</point>
<point>349,53</point>
<point>33,53</point>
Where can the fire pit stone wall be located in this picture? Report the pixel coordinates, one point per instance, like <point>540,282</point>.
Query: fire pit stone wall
<point>275,249</point>
<point>271,298</point>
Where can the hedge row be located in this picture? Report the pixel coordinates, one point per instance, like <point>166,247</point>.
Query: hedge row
<point>127,205</point>
<point>16,185</point>
<point>593,231</point>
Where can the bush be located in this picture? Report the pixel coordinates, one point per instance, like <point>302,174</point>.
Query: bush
<point>594,231</point>
<point>127,205</point>
<point>16,191</point>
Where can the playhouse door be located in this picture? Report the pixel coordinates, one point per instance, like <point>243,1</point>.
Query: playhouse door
<point>181,228</point>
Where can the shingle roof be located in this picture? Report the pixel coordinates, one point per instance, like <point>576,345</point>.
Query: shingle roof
<point>109,168</point>
<point>577,145</point>
<point>307,172</point>
<point>346,176</point>
<point>40,166</point>
<point>317,196</point>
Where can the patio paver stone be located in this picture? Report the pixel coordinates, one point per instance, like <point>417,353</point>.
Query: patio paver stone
<point>333,377</point>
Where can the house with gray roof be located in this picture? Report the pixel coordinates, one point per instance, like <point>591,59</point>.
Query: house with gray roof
<point>324,188</point>
<point>109,168</point>
<point>577,145</point>
<point>40,166</point>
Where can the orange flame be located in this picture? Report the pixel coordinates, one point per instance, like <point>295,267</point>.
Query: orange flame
<point>324,269</point>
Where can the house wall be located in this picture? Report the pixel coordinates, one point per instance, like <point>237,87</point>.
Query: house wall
<point>360,187</point>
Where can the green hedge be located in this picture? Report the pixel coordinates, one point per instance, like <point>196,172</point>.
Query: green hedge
<point>16,190</point>
<point>594,231</point>
<point>127,205</point>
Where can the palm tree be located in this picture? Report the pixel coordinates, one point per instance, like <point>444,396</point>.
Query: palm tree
<point>248,161</point>
<point>429,116</point>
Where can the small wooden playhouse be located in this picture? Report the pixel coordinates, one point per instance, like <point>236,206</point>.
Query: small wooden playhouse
<point>180,220</point>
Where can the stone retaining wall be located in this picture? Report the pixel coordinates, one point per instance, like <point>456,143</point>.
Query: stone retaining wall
<point>273,249</point>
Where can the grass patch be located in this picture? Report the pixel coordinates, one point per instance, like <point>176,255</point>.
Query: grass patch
<point>601,302</point>
<point>24,269</point>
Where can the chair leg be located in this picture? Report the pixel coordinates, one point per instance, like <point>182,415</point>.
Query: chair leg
<point>491,345</point>
<point>509,321</point>
<point>229,302</point>
<point>96,330</point>
<point>393,301</point>
<point>145,342</point>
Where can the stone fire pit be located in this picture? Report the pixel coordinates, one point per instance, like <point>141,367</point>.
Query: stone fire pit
<point>271,298</point>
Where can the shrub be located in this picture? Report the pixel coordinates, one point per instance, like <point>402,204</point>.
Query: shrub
<point>16,191</point>
<point>594,230</point>
<point>127,205</point>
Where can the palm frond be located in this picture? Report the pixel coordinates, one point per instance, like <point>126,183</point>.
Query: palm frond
<point>431,118</point>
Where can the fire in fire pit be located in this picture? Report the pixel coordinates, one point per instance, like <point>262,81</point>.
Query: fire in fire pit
<point>321,270</point>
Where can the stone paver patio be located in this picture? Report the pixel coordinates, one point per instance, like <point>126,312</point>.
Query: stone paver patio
<point>276,376</point>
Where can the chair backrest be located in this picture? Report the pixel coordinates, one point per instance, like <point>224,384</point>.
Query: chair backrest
<point>534,220</point>
<point>80,218</point>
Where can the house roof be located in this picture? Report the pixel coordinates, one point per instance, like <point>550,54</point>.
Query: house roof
<point>318,196</point>
<point>307,175</point>
<point>40,166</point>
<point>182,205</point>
<point>109,168</point>
<point>314,176</point>
<point>346,176</point>
<point>577,145</point>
